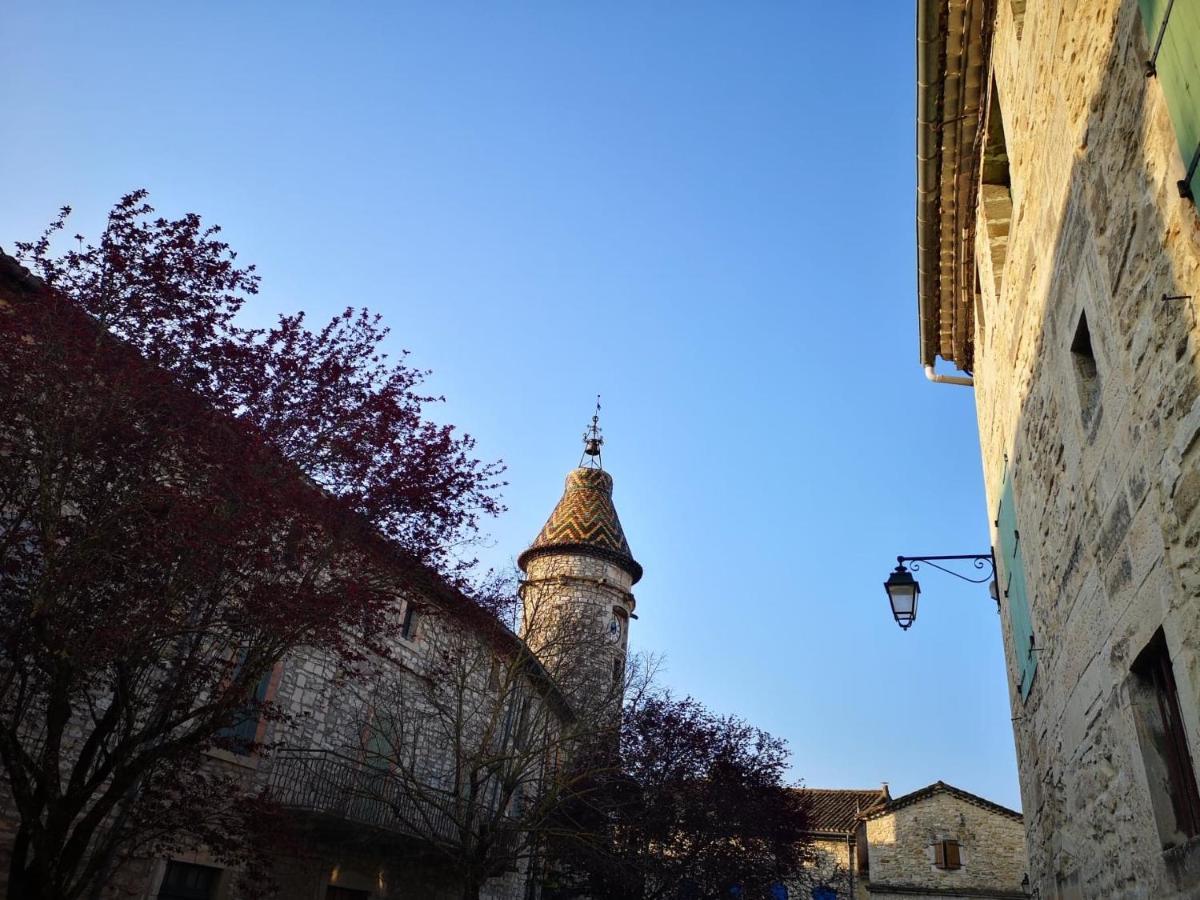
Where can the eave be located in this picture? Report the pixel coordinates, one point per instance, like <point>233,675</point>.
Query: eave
<point>953,50</point>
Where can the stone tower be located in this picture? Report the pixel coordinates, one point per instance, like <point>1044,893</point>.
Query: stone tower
<point>576,597</point>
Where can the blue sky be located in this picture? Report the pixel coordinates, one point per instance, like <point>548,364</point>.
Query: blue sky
<point>703,212</point>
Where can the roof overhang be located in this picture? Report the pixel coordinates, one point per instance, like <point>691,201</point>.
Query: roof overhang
<point>953,59</point>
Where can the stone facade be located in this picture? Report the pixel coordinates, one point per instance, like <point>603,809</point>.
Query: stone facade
<point>1087,389</point>
<point>897,847</point>
<point>332,764</point>
<point>865,845</point>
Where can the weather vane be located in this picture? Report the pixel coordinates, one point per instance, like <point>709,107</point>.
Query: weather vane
<point>592,442</point>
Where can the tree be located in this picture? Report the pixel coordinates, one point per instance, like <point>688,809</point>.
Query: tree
<point>183,502</point>
<point>466,741</point>
<point>688,805</point>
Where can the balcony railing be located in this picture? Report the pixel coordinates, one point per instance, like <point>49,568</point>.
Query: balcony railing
<point>321,781</point>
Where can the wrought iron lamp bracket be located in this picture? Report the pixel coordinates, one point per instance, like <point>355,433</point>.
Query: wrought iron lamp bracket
<point>980,561</point>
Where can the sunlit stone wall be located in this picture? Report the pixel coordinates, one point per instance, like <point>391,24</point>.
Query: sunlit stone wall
<point>1106,467</point>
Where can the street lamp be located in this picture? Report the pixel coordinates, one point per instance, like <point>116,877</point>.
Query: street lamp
<point>903,590</point>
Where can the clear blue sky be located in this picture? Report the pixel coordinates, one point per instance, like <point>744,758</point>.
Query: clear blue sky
<point>702,211</point>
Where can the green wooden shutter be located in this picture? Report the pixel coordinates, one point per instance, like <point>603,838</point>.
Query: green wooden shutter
<point>1177,67</point>
<point>1013,587</point>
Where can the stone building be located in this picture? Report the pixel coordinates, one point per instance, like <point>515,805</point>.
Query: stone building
<point>1059,270</point>
<point>939,841</point>
<point>365,843</point>
<point>834,817</point>
<point>369,771</point>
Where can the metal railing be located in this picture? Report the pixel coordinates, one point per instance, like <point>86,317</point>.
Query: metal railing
<point>322,781</point>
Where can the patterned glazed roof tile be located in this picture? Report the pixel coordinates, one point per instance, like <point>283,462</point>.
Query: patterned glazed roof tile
<point>585,521</point>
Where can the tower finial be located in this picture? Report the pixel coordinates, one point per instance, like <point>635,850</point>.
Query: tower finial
<point>592,442</point>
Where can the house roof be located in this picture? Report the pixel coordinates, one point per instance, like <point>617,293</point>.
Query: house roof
<point>940,787</point>
<point>585,521</point>
<point>953,49</point>
<point>837,810</point>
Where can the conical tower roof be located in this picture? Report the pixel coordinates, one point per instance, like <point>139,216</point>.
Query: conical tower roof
<point>585,521</point>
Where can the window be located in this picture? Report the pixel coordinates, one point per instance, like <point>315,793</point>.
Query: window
<point>239,737</point>
<point>1173,30</point>
<point>1163,740</point>
<point>995,192</point>
<point>1087,376</point>
<point>408,627</point>
<point>946,856</point>
<point>186,881</point>
<point>618,672</point>
<point>1018,14</point>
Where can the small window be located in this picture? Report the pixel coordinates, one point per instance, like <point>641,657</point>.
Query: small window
<point>618,672</point>
<point>239,738</point>
<point>995,197</point>
<point>408,627</point>
<point>1163,741</point>
<point>946,856</point>
<point>1018,14</point>
<point>1087,375</point>
<point>187,881</point>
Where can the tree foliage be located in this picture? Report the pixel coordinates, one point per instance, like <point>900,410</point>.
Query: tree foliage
<point>184,501</point>
<point>689,804</point>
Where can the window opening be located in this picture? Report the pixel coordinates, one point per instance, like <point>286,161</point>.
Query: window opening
<point>946,855</point>
<point>187,881</point>
<point>239,737</point>
<point>1018,14</point>
<point>1087,375</point>
<point>408,626</point>
<point>1163,740</point>
<point>996,190</point>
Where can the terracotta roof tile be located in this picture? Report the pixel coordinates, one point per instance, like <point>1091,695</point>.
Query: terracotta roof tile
<point>838,810</point>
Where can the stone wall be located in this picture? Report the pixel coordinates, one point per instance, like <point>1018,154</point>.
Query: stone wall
<point>570,602</point>
<point>1105,463</point>
<point>328,711</point>
<point>900,848</point>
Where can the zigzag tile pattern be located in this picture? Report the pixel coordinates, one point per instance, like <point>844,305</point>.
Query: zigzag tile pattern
<point>585,519</point>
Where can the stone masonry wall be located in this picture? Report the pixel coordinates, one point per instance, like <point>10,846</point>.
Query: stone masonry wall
<point>328,714</point>
<point>570,601</point>
<point>901,854</point>
<point>1106,466</point>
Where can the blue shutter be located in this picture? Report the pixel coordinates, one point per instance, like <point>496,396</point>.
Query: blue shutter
<point>1177,67</point>
<point>1012,587</point>
<point>240,735</point>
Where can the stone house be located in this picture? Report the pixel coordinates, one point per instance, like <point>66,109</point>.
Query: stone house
<point>939,841</point>
<point>373,838</point>
<point>1059,271</point>
<point>833,819</point>
<point>366,770</point>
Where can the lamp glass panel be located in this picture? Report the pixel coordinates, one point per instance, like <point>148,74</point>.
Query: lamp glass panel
<point>903,598</point>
